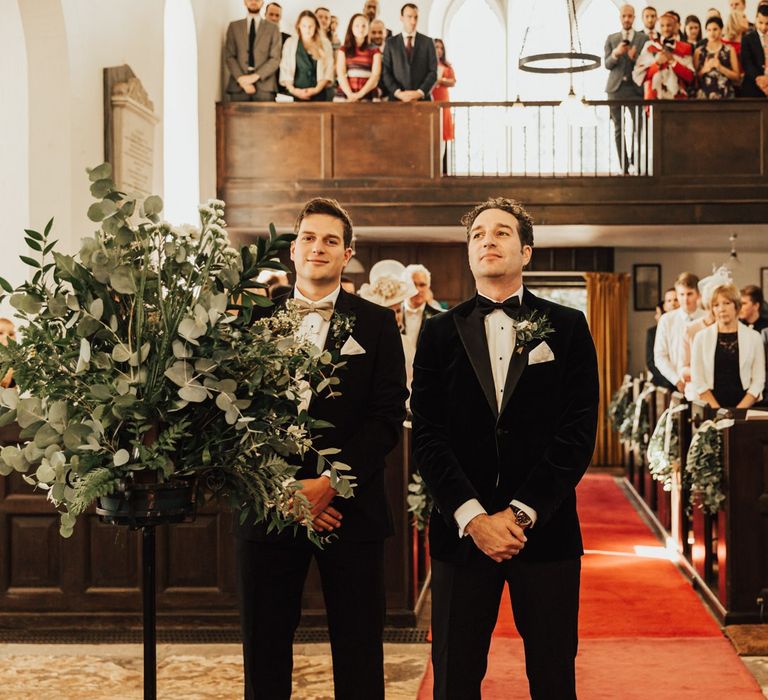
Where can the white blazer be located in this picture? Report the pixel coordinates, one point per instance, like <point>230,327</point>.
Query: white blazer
<point>288,63</point>
<point>751,360</point>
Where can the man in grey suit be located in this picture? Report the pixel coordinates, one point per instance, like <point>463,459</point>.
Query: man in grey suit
<point>409,66</point>
<point>252,53</point>
<point>621,52</point>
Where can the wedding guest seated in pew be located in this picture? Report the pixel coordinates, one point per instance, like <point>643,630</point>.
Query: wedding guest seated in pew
<point>358,63</point>
<point>752,308</point>
<point>669,303</point>
<point>706,286</point>
<point>306,68</point>
<point>728,361</point>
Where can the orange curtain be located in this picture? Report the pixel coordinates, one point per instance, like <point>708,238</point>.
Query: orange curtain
<point>607,314</point>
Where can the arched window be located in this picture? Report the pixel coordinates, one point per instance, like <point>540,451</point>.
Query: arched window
<point>181,147</point>
<point>14,146</point>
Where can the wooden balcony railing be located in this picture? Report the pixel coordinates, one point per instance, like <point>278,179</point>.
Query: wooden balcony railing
<point>388,164</point>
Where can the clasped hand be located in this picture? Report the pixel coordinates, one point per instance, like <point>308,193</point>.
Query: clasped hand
<point>497,536</point>
<point>320,493</point>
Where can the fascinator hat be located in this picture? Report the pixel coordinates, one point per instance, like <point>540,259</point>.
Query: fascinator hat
<point>722,275</point>
<point>386,286</point>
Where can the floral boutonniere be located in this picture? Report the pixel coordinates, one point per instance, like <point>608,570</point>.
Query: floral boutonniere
<point>536,326</point>
<point>341,328</point>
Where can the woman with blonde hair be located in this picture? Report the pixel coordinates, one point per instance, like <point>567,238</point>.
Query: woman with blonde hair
<point>306,69</point>
<point>736,26</point>
<point>728,358</point>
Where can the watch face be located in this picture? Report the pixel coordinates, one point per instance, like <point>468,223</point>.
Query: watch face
<point>522,519</point>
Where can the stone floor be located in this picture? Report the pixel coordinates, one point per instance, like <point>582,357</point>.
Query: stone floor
<point>192,672</point>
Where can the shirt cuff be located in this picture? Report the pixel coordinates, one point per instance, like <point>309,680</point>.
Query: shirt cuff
<point>530,512</point>
<point>422,93</point>
<point>466,512</point>
<point>327,473</point>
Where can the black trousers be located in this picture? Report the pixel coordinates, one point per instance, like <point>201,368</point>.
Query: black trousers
<point>465,605</point>
<point>270,582</point>
<point>631,152</point>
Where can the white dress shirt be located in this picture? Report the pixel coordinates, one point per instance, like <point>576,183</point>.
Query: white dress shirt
<point>412,318</point>
<point>313,327</point>
<point>500,333</point>
<point>253,18</point>
<point>667,348</point>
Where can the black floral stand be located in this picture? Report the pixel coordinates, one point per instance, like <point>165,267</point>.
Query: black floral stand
<point>143,507</point>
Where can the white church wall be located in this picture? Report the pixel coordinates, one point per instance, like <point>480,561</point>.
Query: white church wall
<point>673,262</point>
<point>14,146</point>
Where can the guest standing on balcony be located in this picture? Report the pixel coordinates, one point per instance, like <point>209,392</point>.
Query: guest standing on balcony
<point>307,66</point>
<point>358,63</point>
<point>274,13</point>
<point>754,54</point>
<point>728,362</point>
<point>621,52</point>
<point>446,78</point>
<point>736,26</point>
<point>252,55</point>
<point>410,60</point>
<point>650,17</point>
<point>665,67</point>
<point>693,31</point>
<point>717,65</point>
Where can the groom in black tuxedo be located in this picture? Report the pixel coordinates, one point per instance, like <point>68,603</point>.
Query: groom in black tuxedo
<point>504,423</point>
<point>367,419</point>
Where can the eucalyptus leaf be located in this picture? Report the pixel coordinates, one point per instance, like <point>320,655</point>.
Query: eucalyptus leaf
<point>193,394</point>
<point>120,353</point>
<point>121,457</point>
<point>96,308</point>
<point>153,205</point>
<point>122,280</point>
<point>100,172</point>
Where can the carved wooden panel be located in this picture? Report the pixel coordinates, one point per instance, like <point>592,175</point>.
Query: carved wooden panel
<point>35,551</point>
<point>277,145</point>
<point>706,144</point>
<point>375,142</point>
<point>113,556</point>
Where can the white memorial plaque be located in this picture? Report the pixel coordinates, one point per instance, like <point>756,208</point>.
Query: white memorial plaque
<point>133,133</point>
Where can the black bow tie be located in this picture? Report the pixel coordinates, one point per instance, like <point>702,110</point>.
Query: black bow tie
<point>510,306</point>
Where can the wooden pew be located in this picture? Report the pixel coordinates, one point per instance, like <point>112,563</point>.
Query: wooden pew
<point>734,542</point>
<point>680,527</point>
<point>649,483</point>
<point>638,461</point>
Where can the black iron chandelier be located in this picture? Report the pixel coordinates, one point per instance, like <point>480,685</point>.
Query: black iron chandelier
<point>572,61</point>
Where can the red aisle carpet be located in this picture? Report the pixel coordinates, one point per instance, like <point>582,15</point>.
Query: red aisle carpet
<point>643,631</point>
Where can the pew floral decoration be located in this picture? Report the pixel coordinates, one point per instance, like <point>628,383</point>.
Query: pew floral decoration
<point>704,466</point>
<point>419,502</point>
<point>621,402</point>
<point>664,446</point>
<point>143,358</point>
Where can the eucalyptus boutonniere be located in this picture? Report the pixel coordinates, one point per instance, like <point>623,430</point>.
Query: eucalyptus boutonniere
<point>341,328</point>
<point>536,326</point>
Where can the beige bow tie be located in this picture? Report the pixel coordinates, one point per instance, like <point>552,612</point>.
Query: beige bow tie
<point>324,308</point>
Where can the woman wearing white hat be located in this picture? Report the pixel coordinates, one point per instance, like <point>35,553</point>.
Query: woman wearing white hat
<point>388,288</point>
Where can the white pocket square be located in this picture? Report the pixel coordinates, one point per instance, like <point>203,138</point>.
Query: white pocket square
<point>541,353</point>
<point>352,347</point>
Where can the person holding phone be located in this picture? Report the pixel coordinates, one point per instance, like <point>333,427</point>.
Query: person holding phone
<point>665,67</point>
<point>717,65</point>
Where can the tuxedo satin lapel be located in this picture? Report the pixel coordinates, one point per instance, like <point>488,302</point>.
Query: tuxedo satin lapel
<point>471,330</point>
<point>341,306</point>
<point>517,365</point>
<point>519,360</point>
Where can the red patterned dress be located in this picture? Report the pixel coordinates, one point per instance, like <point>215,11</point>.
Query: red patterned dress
<point>359,69</point>
<point>440,94</point>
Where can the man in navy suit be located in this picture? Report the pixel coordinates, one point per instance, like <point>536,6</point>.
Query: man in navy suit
<point>409,68</point>
<point>754,46</point>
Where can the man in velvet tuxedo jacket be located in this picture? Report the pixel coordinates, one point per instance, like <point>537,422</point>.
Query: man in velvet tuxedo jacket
<point>409,64</point>
<point>503,430</point>
<point>367,418</point>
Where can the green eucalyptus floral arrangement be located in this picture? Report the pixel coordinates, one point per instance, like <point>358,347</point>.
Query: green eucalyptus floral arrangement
<point>535,326</point>
<point>145,357</point>
<point>704,466</point>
